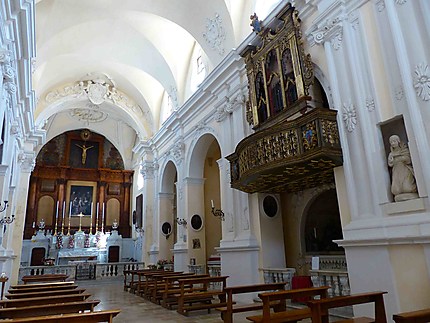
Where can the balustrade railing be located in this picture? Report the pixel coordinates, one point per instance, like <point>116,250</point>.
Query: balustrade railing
<point>278,275</point>
<point>69,270</point>
<point>82,270</point>
<point>337,280</point>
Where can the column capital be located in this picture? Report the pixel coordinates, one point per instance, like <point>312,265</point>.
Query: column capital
<point>148,169</point>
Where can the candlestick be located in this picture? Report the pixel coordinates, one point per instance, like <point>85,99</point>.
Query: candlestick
<point>70,215</point>
<point>91,219</point>
<point>212,203</point>
<point>97,217</point>
<point>56,219</point>
<point>103,217</point>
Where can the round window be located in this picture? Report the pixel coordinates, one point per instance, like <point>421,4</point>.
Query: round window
<point>196,222</point>
<point>166,229</point>
<point>270,206</point>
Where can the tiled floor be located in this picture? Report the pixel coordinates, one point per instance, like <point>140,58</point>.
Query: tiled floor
<point>136,309</point>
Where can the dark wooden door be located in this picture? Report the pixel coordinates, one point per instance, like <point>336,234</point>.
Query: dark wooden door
<point>113,254</point>
<point>37,256</point>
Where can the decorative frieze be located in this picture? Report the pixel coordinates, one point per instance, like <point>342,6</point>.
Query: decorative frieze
<point>92,114</point>
<point>401,2</point>
<point>422,81</point>
<point>215,34</point>
<point>97,90</point>
<point>380,5</point>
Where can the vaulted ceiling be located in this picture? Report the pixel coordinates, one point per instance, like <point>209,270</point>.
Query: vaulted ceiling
<point>112,66</point>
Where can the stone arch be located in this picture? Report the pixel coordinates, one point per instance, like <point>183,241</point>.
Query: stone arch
<point>321,223</point>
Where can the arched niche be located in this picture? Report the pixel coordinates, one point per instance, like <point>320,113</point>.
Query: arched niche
<point>46,211</point>
<point>113,209</point>
<point>322,225</point>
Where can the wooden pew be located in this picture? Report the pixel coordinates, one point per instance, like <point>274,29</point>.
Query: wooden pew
<point>44,278</point>
<point>420,316</point>
<point>289,315</point>
<point>201,294</point>
<point>87,317</point>
<point>319,308</point>
<point>41,288</point>
<point>43,300</point>
<point>232,307</point>
<point>155,292</point>
<point>146,281</point>
<point>42,285</point>
<point>45,293</point>
<point>38,310</point>
<point>171,291</point>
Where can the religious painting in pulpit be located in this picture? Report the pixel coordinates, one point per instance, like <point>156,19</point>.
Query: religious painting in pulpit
<point>84,154</point>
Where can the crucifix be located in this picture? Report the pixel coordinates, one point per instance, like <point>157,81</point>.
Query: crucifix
<point>84,152</point>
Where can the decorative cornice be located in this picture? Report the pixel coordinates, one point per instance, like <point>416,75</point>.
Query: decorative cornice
<point>215,34</point>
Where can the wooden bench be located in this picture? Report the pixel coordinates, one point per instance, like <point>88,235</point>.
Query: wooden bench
<point>198,294</point>
<point>43,285</point>
<point>289,315</point>
<point>37,310</point>
<point>232,307</point>
<point>145,288</point>
<point>44,278</point>
<point>420,316</point>
<point>41,289</point>
<point>87,317</point>
<point>54,292</point>
<point>319,308</point>
<point>43,300</point>
<point>171,291</point>
<point>155,291</point>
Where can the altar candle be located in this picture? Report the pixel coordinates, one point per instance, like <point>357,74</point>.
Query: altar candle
<point>91,217</point>
<point>103,214</point>
<point>212,203</point>
<point>56,214</point>
<point>97,212</point>
<point>64,209</point>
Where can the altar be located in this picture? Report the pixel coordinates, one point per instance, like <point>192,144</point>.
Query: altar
<point>81,254</point>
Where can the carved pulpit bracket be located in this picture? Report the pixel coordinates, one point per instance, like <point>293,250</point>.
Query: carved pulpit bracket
<point>279,72</point>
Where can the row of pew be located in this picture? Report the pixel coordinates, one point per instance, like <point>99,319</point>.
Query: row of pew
<point>187,292</point>
<point>52,302</point>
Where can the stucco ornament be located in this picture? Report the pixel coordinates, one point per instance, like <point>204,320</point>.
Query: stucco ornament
<point>215,34</point>
<point>422,81</point>
<point>349,116</point>
<point>400,2</point>
<point>97,92</point>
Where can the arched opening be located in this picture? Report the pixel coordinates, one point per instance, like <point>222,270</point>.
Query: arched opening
<point>322,225</point>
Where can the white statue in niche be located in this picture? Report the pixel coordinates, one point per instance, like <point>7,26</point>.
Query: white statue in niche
<point>403,185</point>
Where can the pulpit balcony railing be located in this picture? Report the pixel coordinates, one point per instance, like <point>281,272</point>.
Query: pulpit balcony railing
<point>290,156</point>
